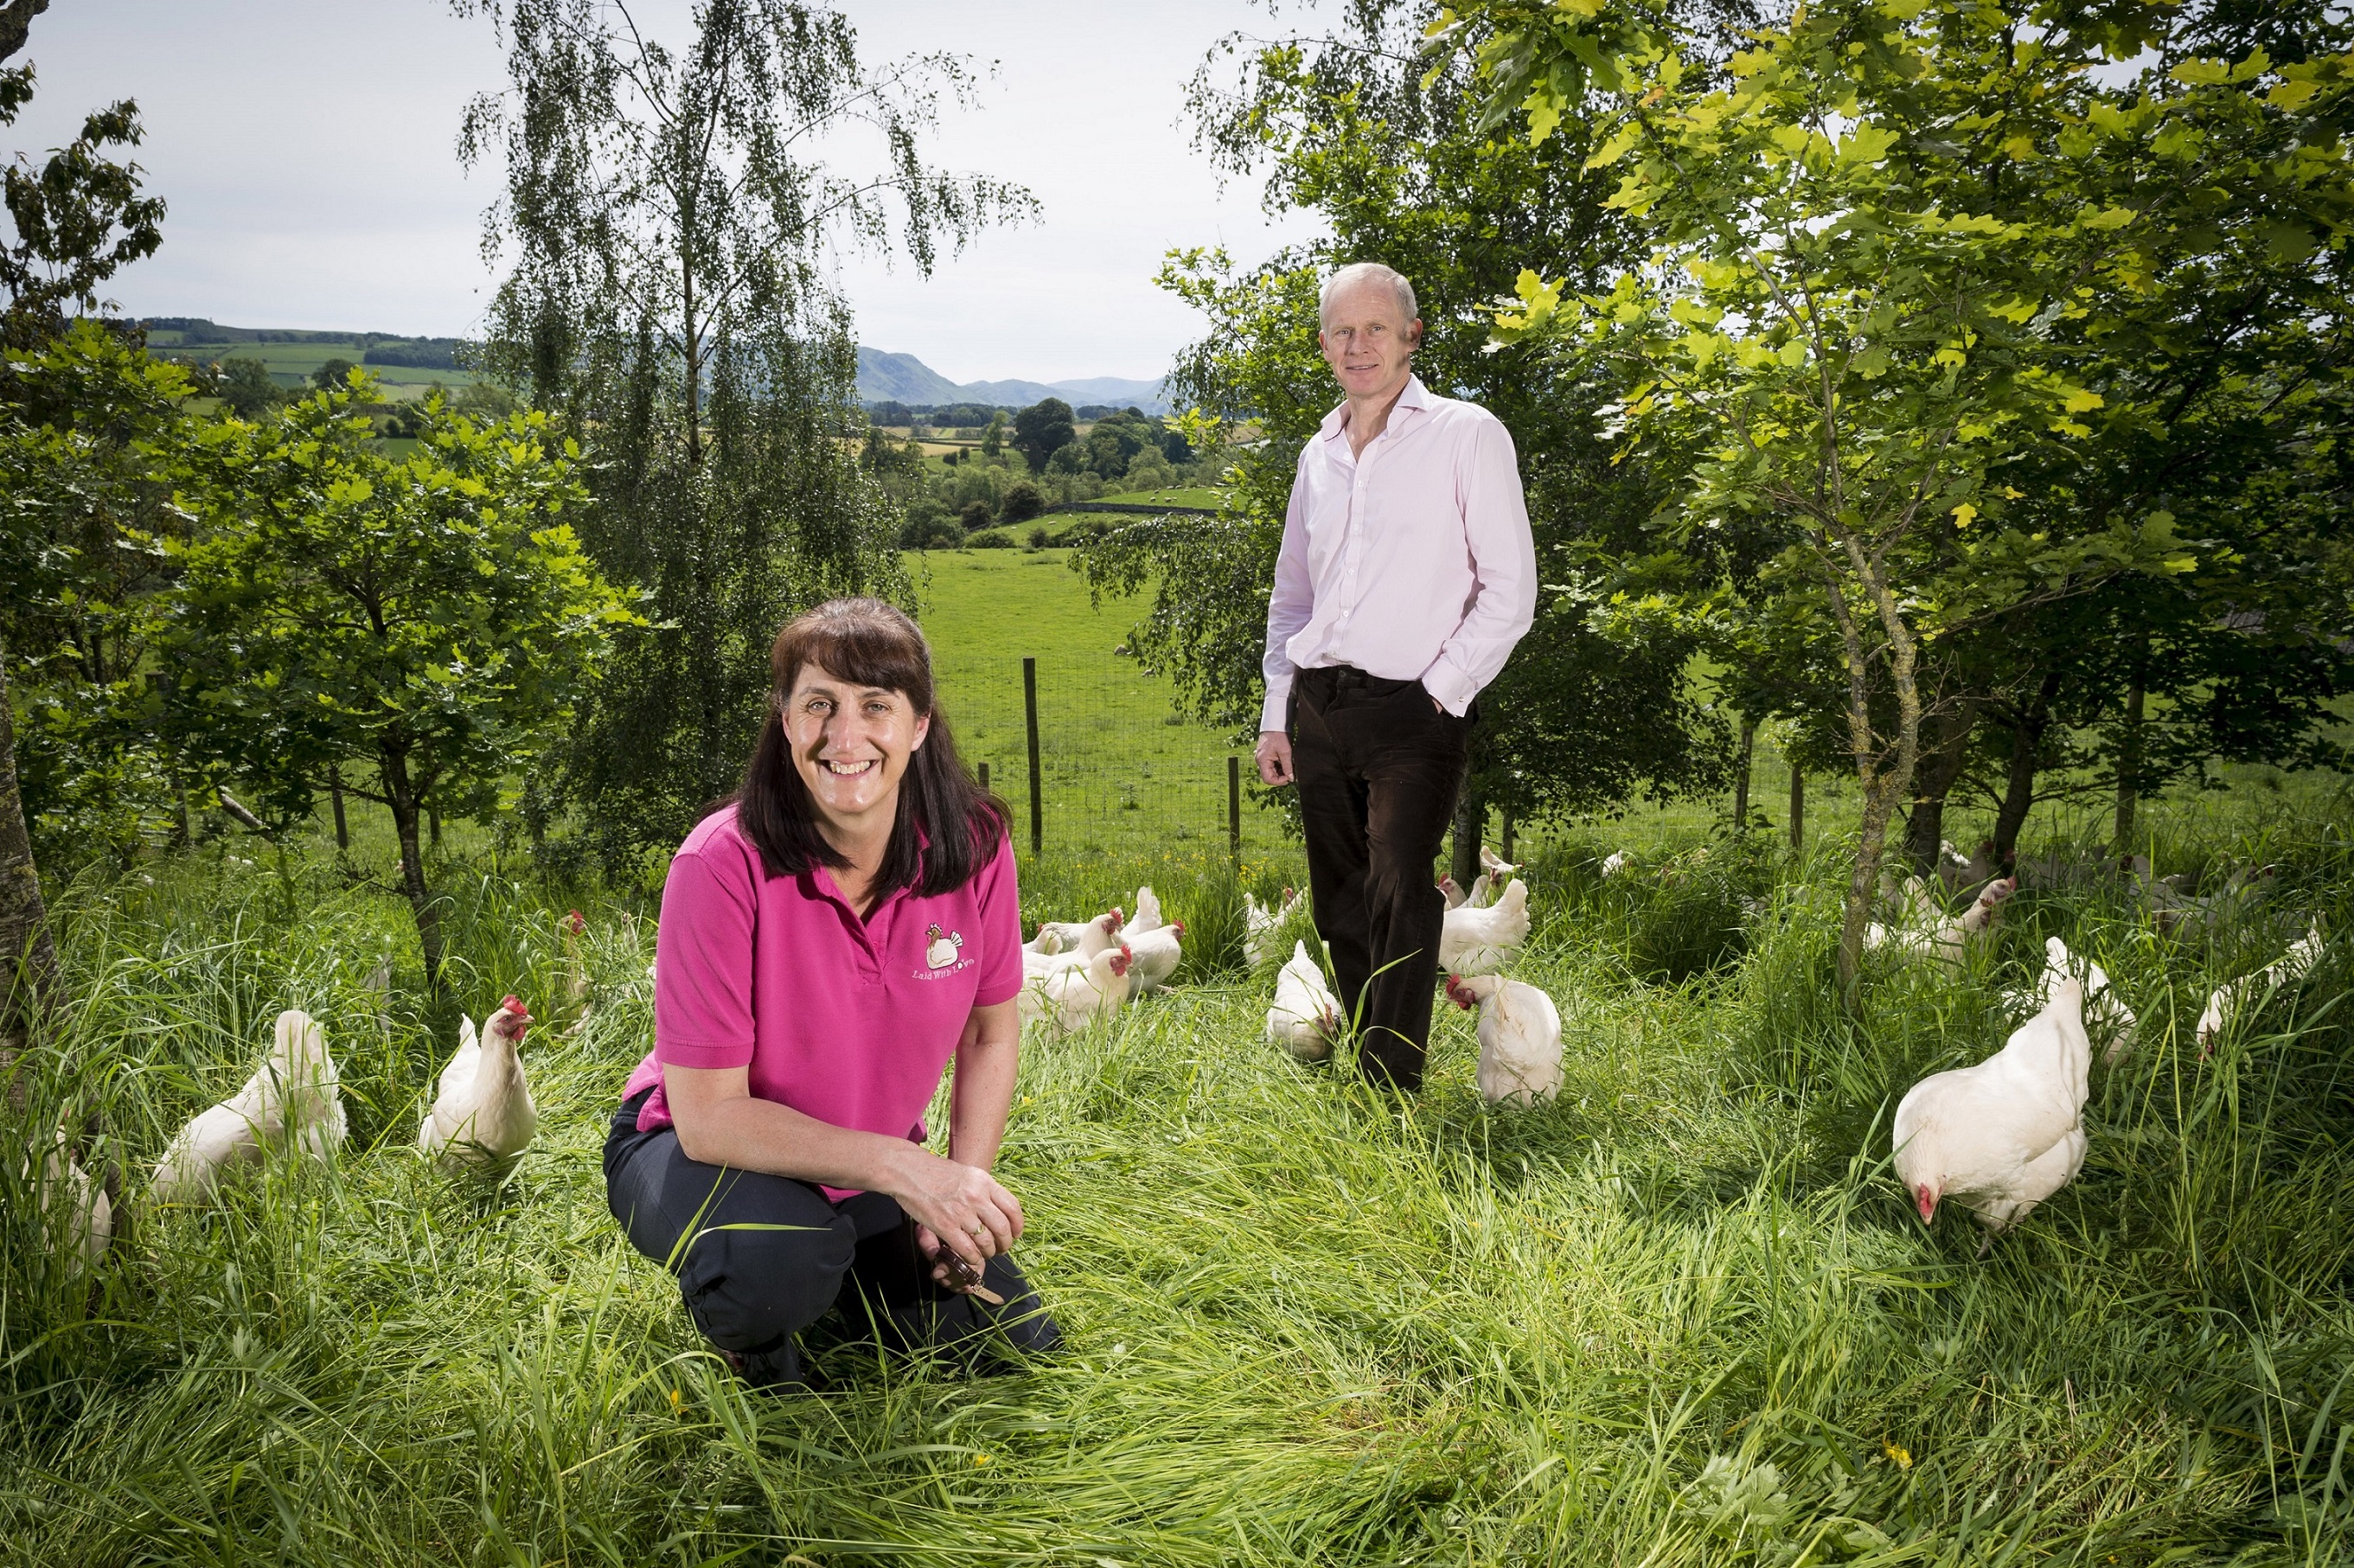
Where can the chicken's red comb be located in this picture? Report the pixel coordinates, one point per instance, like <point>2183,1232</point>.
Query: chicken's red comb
<point>515,1004</point>
<point>574,922</point>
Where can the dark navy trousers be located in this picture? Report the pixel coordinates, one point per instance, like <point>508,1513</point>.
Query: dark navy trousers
<point>761,1257</point>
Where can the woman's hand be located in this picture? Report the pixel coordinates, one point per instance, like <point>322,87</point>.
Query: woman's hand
<point>960,1207</point>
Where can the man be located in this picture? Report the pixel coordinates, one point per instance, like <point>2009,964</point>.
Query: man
<point>1408,574</point>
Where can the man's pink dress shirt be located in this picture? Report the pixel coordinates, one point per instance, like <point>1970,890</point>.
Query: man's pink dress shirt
<point>1411,560</point>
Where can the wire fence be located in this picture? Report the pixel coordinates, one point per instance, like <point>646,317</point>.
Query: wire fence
<point>1093,758</point>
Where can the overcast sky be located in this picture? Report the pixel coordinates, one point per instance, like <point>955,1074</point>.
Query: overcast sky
<point>305,149</point>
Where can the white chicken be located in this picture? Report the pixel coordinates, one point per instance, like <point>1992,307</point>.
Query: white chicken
<point>1520,1038</point>
<point>1478,941</point>
<point>2107,1017</point>
<point>2002,1136</point>
<point>1148,912</point>
<point>86,1224</point>
<point>1261,924</point>
<point>292,1102</point>
<point>379,981</point>
<point>1154,954</point>
<point>1087,939</point>
<point>1084,937</point>
<point>2226,1002</point>
<point>1069,997</point>
<point>1452,891</point>
<point>483,1118</point>
<point>1615,864</point>
<point>1306,1017</point>
<point>1943,941</point>
<point>1496,867</point>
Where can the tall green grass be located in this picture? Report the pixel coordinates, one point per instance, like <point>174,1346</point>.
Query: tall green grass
<point>1680,1316</point>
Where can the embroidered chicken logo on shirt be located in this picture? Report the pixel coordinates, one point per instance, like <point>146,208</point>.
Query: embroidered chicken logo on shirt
<point>943,948</point>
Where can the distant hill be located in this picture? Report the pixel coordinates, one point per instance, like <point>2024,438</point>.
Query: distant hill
<point>903,378</point>
<point>882,377</point>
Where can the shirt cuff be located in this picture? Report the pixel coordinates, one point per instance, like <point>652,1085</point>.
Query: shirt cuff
<point>685,1054</point>
<point>1276,708</point>
<point>1453,689</point>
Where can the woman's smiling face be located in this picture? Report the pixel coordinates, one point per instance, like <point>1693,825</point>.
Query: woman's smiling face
<point>851,744</point>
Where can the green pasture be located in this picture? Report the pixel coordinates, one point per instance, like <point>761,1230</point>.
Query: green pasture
<point>291,363</point>
<point>1123,771</point>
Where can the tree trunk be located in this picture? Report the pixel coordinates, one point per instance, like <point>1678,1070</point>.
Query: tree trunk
<point>29,982</point>
<point>2129,749</point>
<point>421,907</point>
<point>335,793</point>
<point>1941,766</point>
<point>1741,776</point>
<point>1881,775</point>
<point>1797,808</point>
<point>1505,832</point>
<point>1471,822</point>
<point>433,825</point>
<point>2027,733</point>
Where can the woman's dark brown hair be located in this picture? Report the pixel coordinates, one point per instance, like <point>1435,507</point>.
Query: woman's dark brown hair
<point>866,642</point>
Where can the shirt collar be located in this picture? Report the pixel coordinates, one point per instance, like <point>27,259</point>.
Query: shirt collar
<point>1413,397</point>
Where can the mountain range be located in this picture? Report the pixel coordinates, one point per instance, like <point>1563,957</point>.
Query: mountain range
<point>903,378</point>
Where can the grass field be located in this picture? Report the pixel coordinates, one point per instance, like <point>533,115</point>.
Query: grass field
<point>1123,773</point>
<point>1182,495</point>
<point>291,363</point>
<point>1682,1316</point>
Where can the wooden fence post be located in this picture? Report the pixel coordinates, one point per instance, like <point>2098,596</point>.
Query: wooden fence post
<point>1235,808</point>
<point>984,778</point>
<point>1037,804</point>
<point>1797,808</point>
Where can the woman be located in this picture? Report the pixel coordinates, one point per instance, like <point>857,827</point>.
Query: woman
<point>828,939</point>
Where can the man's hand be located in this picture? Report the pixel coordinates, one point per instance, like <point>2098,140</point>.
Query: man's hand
<point>1273,757</point>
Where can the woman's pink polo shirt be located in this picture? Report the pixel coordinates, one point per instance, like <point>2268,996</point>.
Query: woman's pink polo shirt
<point>850,1022</point>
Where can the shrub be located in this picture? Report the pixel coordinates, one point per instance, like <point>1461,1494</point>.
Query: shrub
<point>975,516</point>
<point>929,529</point>
<point>990,541</point>
<point>1023,500</point>
<point>1038,538</point>
<point>1690,915</point>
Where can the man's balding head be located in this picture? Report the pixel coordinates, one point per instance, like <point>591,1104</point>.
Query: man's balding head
<point>1369,329</point>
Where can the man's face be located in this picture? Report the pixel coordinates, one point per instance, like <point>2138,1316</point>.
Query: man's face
<point>1367,340</point>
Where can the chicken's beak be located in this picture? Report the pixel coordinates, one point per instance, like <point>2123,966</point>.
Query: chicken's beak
<point>1925,1197</point>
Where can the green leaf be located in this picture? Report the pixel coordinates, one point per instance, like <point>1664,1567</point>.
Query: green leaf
<point>1623,142</point>
<point>1866,144</point>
